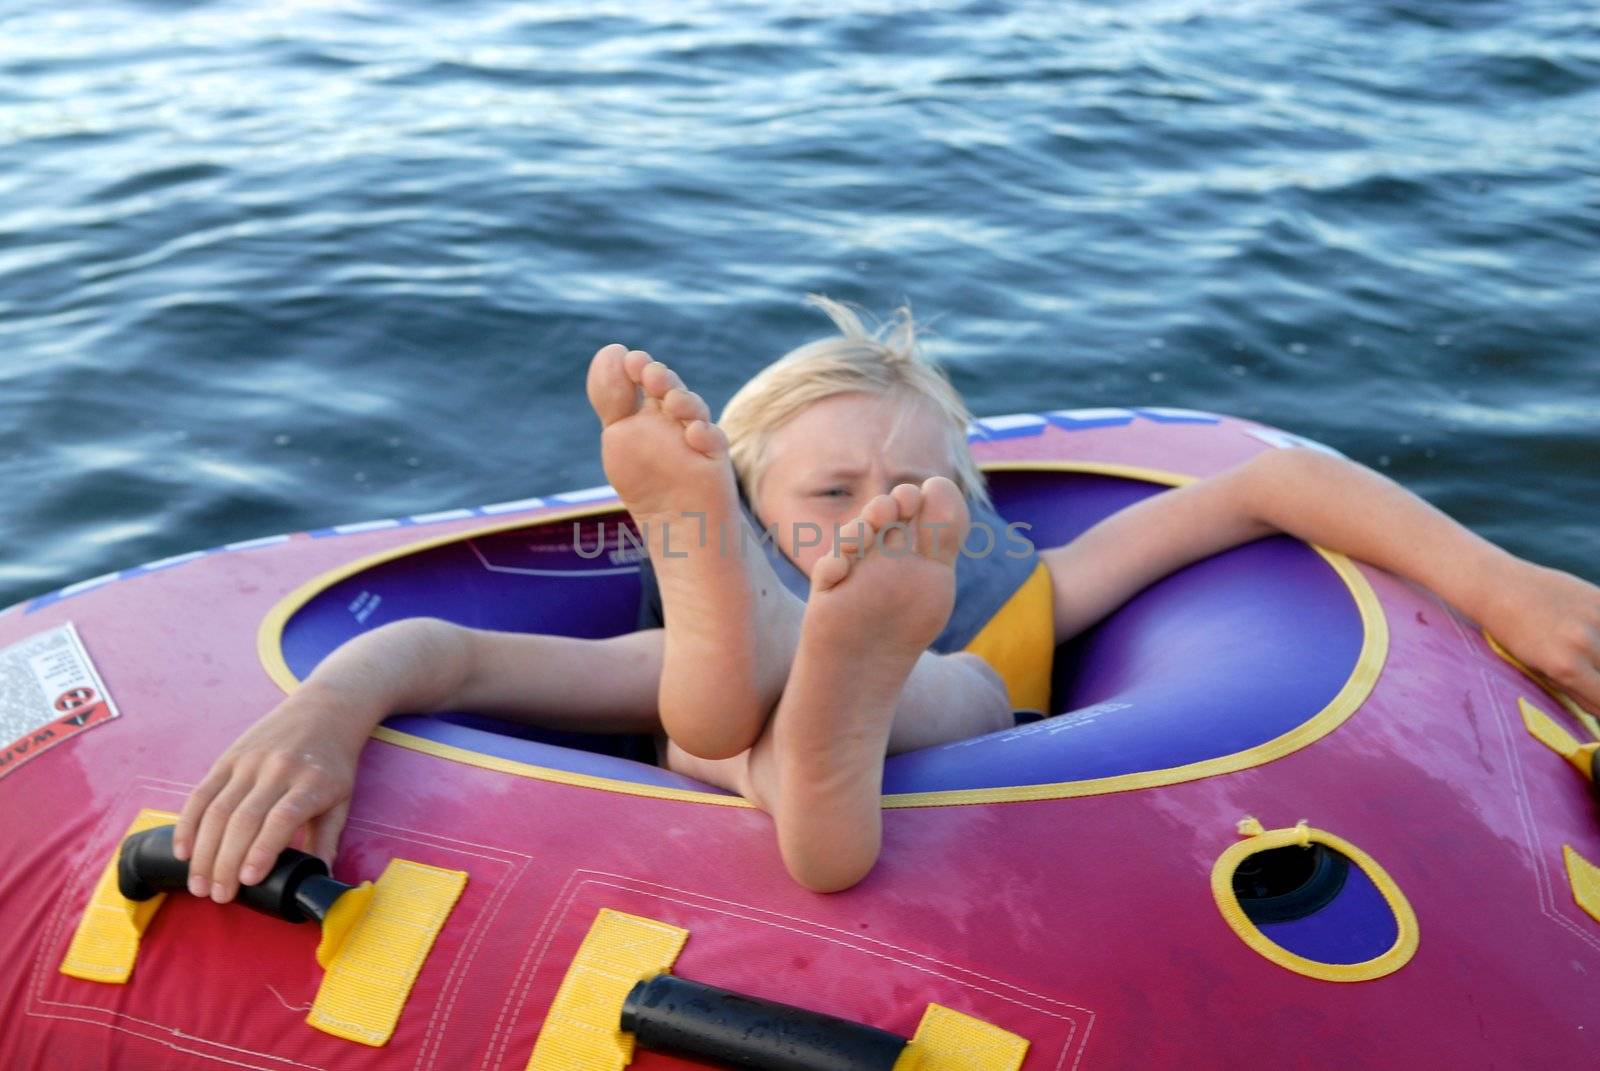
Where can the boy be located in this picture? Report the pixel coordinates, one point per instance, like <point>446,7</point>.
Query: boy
<point>793,697</point>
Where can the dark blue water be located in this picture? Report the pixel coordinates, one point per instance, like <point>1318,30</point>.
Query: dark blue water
<point>278,266</point>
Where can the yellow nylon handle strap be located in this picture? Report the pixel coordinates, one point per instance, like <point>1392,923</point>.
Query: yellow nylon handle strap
<point>1584,877</point>
<point>947,1040</point>
<point>1583,759</point>
<point>1552,735</point>
<point>581,1033</point>
<point>341,920</point>
<point>371,971</point>
<point>106,942</point>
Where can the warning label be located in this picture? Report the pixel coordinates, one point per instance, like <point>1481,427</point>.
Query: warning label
<point>49,691</point>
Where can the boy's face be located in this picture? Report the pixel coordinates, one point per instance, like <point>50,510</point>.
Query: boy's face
<point>836,454</point>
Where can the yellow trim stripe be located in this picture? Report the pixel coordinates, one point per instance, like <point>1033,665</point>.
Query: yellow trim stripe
<point>545,773</point>
<point>1363,676</point>
<point>1398,954</point>
<point>1096,468</point>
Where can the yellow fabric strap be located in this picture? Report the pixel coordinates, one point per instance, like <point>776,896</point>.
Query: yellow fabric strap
<point>1019,642</point>
<point>581,1033</point>
<point>371,972</point>
<point>947,1040</point>
<point>1584,877</point>
<point>1583,759</point>
<point>1552,735</point>
<point>341,920</point>
<point>106,942</point>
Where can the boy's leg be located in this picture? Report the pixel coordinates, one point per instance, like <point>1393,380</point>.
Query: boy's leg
<point>731,624</point>
<point>861,677</point>
<point>949,697</point>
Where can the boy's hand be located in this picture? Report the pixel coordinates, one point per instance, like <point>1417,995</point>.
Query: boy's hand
<point>1551,621</point>
<point>293,768</point>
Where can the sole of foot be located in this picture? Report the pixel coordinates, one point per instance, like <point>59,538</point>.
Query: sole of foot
<point>730,623</point>
<point>874,608</point>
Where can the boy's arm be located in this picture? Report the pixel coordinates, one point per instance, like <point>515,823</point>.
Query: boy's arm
<point>1547,618</point>
<point>296,766</point>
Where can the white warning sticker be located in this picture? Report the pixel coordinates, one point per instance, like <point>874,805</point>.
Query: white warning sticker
<point>49,691</point>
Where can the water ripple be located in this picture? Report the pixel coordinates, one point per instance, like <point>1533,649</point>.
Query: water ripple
<point>303,264</point>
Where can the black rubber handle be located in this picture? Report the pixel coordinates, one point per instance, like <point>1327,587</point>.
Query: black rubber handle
<point>675,1016</point>
<point>298,887</point>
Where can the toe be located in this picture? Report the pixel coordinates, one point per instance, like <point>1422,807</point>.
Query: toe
<point>635,362</point>
<point>707,438</point>
<point>854,538</point>
<point>907,497</point>
<point>657,379</point>
<point>880,511</point>
<point>611,392</point>
<point>829,571</point>
<point>685,405</point>
<point>942,521</point>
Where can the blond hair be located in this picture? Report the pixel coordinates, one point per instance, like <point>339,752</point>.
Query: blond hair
<point>853,361</point>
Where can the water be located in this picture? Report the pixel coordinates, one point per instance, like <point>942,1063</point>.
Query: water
<point>267,268</point>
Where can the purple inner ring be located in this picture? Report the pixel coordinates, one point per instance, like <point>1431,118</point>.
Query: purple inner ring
<point>1222,656</point>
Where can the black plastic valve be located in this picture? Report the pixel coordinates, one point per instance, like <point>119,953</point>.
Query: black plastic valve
<point>297,888</point>
<point>673,1015</point>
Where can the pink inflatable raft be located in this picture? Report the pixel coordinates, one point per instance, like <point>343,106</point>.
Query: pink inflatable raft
<point>1289,810</point>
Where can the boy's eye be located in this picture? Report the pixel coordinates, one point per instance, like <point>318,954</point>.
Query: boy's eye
<point>833,492</point>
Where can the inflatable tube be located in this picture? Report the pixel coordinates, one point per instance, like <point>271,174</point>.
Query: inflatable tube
<point>1287,806</point>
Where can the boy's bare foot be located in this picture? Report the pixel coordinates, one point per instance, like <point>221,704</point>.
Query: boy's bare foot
<point>819,767</point>
<point>730,622</point>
